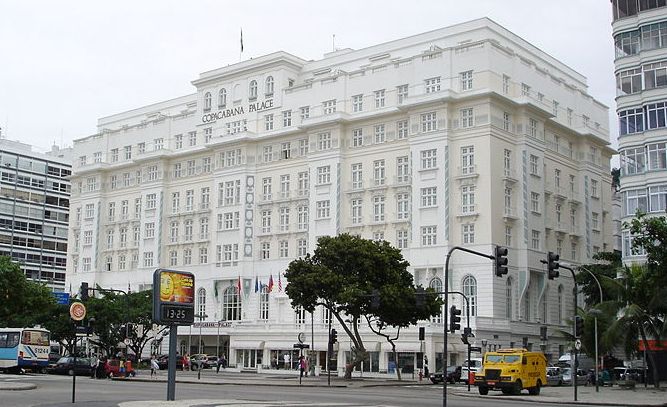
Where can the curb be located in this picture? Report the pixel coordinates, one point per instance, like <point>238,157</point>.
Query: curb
<point>571,402</point>
<point>6,386</point>
<point>231,383</point>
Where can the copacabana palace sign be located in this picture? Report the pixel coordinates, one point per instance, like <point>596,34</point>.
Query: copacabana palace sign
<point>237,111</point>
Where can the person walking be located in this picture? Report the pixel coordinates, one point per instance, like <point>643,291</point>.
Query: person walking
<point>302,365</point>
<point>154,367</point>
<point>94,363</point>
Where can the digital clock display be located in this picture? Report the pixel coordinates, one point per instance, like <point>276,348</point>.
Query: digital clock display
<point>177,314</point>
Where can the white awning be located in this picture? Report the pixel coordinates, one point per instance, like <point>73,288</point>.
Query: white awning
<point>247,344</point>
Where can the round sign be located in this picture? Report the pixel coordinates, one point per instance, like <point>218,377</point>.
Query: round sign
<point>577,344</point>
<point>302,337</point>
<point>77,311</point>
<point>126,341</point>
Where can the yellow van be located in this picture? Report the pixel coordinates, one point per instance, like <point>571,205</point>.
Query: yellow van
<point>512,370</point>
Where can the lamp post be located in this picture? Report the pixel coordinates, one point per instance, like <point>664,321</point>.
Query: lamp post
<point>199,366</point>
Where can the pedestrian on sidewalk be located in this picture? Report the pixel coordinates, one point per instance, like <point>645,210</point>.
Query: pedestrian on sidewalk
<point>94,363</point>
<point>222,363</point>
<point>286,359</point>
<point>425,366</point>
<point>302,365</point>
<point>155,367</point>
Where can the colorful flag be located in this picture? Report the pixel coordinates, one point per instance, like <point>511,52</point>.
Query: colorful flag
<point>280,284</point>
<point>256,284</point>
<point>241,39</point>
<point>270,282</point>
<point>238,286</point>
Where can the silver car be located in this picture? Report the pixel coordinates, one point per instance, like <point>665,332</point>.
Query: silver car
<point>582,378</point>
<point>554,376</point>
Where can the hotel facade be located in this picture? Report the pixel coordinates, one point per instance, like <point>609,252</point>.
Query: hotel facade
<point>462,136</point>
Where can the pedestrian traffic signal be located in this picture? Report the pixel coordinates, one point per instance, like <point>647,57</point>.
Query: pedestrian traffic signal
<point>333,336</point>
<point>553,265</point>
<point>422,333</point>
<point>420,293</point>
<point>543,333</point>
<point>83,291</point>
<point>501,261</point>
<point>454,319</point>
<point>466,335</point>
<point>578,326</point>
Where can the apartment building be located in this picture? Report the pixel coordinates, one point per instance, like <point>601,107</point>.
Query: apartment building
<point>466,135</point>
<point>34,213</point>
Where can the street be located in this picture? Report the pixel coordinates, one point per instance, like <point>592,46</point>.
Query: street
<point>53,390</point>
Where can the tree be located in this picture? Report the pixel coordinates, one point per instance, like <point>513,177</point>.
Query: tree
<point>141,316</point>
<point>342,275</point>
<point>23,303</point>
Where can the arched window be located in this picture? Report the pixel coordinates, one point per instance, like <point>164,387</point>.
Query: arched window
<point>560,305</point>
<point>470,291</point>
<point>264,303</point>
<point>252,91</point>
<point>436,285</point>
<point>201,301</point>
<point>509,298</point>
<point>207,101</point>
<point>222,98</point>
<point>269,86</point>
<point>231,304</point>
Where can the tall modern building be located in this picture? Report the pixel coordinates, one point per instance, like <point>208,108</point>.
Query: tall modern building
<point>640,36</point>
<point>466,135</point>
<point>34,211</point>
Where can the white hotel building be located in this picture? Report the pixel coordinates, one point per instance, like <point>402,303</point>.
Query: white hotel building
<point>466,135</point>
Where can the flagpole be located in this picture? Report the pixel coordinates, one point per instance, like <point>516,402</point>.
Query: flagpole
<point>241,51</point>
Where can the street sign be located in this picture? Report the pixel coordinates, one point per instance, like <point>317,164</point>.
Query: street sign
<point>61,298</point>
<point>126,341</point>
<point>577,344</point>
<point>77,311</point>
<point>301,346</point>
<point>302,337</point>
<point>475,349</point>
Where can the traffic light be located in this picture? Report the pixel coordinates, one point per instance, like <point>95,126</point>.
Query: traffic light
<point>467,333</point>
<point>578,326</point>
<point>422,333</point>
<point>501,261</point>
<point>419,297</point>
<point>83,291</point>
<point>454,319</point>
<point>131,330</point>
<point>553,265</point>
<point>333,336</point>
<point>123,331</point>
<point>543,333</point>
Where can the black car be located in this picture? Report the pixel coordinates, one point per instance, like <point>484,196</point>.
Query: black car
<point>453,375</point>
<point>163,362</point>
<point>65,365</point>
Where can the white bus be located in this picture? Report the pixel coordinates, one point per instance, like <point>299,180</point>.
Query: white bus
<point>24,348</point>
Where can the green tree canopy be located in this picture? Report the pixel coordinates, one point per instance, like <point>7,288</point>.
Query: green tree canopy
<point>343,274</point>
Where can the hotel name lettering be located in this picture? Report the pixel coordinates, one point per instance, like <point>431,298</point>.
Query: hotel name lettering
<point>236,111</point>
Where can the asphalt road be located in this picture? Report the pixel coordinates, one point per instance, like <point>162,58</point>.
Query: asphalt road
<point>53,390</point>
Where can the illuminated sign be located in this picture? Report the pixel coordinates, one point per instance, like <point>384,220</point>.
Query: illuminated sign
<point>173,297</point>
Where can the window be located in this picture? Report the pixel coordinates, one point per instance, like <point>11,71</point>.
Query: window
<point>178,170</point>
<point>507,162</point>
<point>268,86</point>
<point>264,303</point>
<point>114,155</point>
<point>525,90</point>
<point>535,202</point>
<point>554,108</point>
<point>323,209</point>
<point>378,172</point>
<point>329,106</point>
<point>532,127</point>
<point>658,198</point>
<point>429,197</point>
<point>378,236</point>
<point>379,98</point>
<point>432,85</point>
<point>303,147</point>
<point>203,228</point>
<point>267,154</point>
<point>252,90</point>
<point>231,304</point>
<point>656,113</point>
<point>268,122</point>
<point>192,138</point>
<point>508,235</point>
<point>191,167</point>
<point>207,101</point>
<point>535,241</point>
<point>148,259</point>
<point>265,251</point>
<point>150,230</point>
<point>402,129</point>
<point>304,183</point>
<point>378,208</point>
<point>110,239</point>
<point>323,175</point>
<point>657,156</point>
<point>635,199</point>
<point>594,189</point>
<point>429,235</point>
<point>324,141</point>
<point>151,200</point>
<point>112,211</point>
<point>357,138</point>
<point>205,198</point>
<point>379,134</point>
<point>506,84</point>
<point>402,169</point>
<point>534,165</point>
<point>467,118</point>
<point>287,118</point>
<point>302,217</point>
<point>222,98</point>
<point>178,141</point>
<point>429,159</point>
<point>466,80</point>
<point>402,239</point>
<point>201,301</point>
<point>266,189</point>
<point>175,202</point>
<point>356,211</point>
<point>284,219</point>
<point>302,247</point>
<point>557,178</point>
<point>188,230</point>
<point>304,112</point>
<point>402,206</point>
<point>357,103</point>
<point>467,160</point>
<point>123,237</point>
<point>468,233</point>
<point>469,285</point>
<point>401,93</point>
<point>357,176</point>
<point>284,186</point>
<point>467,199</point>
<point>429,122</point>
<point>285,150</point>
<point>633,161</point>
<point>173,232</point>
<point>189,200</point>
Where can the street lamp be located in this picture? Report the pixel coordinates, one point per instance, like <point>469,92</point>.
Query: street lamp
<point>201,318</point>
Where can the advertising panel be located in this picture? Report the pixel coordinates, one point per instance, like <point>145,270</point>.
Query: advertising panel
<point>173,297</point>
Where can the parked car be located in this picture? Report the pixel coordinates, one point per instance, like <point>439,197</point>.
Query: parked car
<point>53,359</point>
<point>212,361</point>
<point>582,377</point>
<point>163,360</point>
<point>453,375</point>
<point>628,373</point>
<point>554,376</point>
<point>112,369</point>
<point>65,365</point>
<point>198,360</point>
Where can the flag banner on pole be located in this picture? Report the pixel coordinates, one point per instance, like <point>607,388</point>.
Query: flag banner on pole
<point>247,286</point>
<point>280,284</point>
<point>256,284</point>
<point>241,39</point>
<point>270,282</point>
<point>239,288</point>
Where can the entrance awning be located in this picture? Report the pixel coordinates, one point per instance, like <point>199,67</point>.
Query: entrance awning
<point>247,344</point>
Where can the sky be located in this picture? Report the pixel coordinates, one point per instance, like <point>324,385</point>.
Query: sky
<point>64,64</point>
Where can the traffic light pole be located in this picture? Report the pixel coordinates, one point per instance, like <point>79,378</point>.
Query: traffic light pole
<point>446,305</point>
<point>575,365</point>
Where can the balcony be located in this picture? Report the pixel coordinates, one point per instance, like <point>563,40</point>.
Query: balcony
<point>467,172</point>
<point>510,176</point>
<point>510,214</point>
